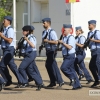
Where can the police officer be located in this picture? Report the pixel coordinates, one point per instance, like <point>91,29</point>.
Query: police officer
<point>68,52</point>
<point>29,59</point>
<point>34,64</point>
<point>7,45</point>
<point>50,45</point>
<point>94,46</point>
<point>80,55</point>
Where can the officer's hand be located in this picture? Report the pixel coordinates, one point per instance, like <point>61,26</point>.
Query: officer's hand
<point>46,40</point>
<point>1,34</point>
<point>91,39</point>
<point>25,38</point>
<point>60,41</point>
<point>16,47</point>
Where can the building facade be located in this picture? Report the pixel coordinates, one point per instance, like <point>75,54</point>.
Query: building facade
<point>78,14</point>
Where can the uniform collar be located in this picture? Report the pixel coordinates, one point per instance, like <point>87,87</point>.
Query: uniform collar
<point>80,35</point>
<point>30,35</point>
<point>7,27</point>
<point>68,35</point>
<point>93,31</point>
<point>48,29</point>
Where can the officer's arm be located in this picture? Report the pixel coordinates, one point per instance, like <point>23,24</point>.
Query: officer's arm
<point>53,42</point>
<point>79,45</point>
<point>67,45</point>
<point>30,42</point>
<point>98,41</point>
<point>9,40</point>
<point>54,38</point>
<point>82,41</point>
<point>71,43</point>
<point>97,36</point>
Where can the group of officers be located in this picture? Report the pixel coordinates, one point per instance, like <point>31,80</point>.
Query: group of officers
<point>73,66</point>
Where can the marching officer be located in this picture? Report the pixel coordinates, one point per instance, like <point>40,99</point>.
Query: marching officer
<point>29,52</point>
<point>34,64</point>
<point>50,45</point>
<point>7,45</point>
<point>80,55</point>
<point>68,52</point>
<point>94,46</point>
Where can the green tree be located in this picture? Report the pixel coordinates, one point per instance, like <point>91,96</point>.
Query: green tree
<point>3,11</point>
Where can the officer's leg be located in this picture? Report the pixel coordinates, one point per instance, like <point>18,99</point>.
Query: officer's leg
<point>36,69</point>
<point>15,71</point>
<point>93,67</point>
<point>22,68</point>
<point>12,64</point>
<point>86,73</point>
<point>32,70</point>
<point>83,67</point>
<point>29,77</point>
<point>25,63</point>
<point>2,80</point>
<point>77,69</point>
<point>2,83</point>
<point>98,64</point>
<point>48,66</point>
<point>65,68</point>
<point>55,68</point>
<point>3,67</point>
<point>77,82</point>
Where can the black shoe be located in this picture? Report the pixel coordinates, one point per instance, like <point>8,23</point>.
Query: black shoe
<point>60,85</point>
<point>95,84</point>
<point>24,85</point>
<point>8,83</point>
<point>0,87</point>
<point>81,76</point>
<point>51,85</point>
<point>39,87</point>
<point>72,82</point>
<point>29,80</point>
<point>18,86</point>
<point>77,88</point>
<point>89,81</point>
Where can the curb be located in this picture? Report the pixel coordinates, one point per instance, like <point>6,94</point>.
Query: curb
<point>44,59</point>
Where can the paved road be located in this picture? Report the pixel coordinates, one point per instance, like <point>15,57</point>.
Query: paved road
<point>64,93</point>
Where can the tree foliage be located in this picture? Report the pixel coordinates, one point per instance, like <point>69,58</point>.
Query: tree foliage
<point>3,11</point>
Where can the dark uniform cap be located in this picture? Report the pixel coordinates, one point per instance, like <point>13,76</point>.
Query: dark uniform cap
<point>78,28</point>
<point>67,26</point>
<point>46,19</point>
<point>26,28</point>
<point>92,22</point>
<point>32,28</point>
<point>8,18</point>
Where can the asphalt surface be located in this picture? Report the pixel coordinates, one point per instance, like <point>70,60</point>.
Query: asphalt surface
<point>55,93</point>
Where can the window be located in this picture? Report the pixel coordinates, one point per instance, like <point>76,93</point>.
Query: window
<point>40,10</point>
<point>25,19</point>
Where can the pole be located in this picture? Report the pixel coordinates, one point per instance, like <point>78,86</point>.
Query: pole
<point>29,9</point>
<point>73,15</point>
<point>14,20</point>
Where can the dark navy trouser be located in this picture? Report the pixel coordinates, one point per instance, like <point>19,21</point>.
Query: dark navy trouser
<point>52,68</point>
<point>8,59</point>
<point>68,69</point>
<point>28,63</point>
<point>79,64</point>
<point>1,80</point>
<point>94,66</point>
